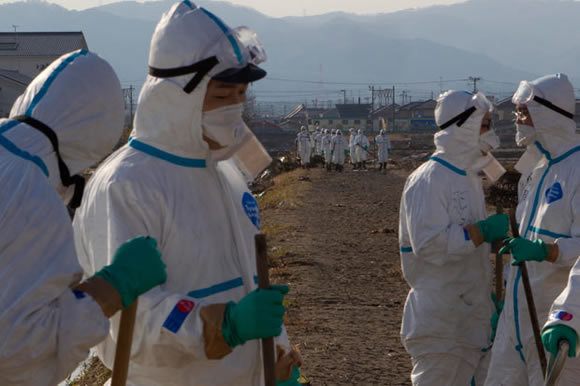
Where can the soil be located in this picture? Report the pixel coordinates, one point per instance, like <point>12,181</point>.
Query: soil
<point>338,250</point>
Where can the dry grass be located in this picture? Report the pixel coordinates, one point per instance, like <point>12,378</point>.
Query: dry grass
<point>286,192</point>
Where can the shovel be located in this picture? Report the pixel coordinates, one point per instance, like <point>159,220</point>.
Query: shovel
<point>529,298</point>
<point>556,364</point>
<point>124,341</point>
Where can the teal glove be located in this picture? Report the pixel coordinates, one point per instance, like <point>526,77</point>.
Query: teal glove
<point>525,250</point>
<point>495,227</point>
<point>366,147</point>
<point>136,268</point>
<point>552,336</point>
<point>293,380</point>
<point>495,316</point>
<point>345,152</point>
<point>332,152</point>
<point>258,315</point>
<point>322,152</point>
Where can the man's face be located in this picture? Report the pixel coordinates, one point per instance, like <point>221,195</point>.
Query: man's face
<point>523,116</point>
<point>221,94</point>
<point>485,123</point>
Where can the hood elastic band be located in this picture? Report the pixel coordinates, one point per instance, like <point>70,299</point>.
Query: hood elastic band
<point>65,177</point>
<point>459,119</point>
<point>553,107</point>
<point>201,69</point>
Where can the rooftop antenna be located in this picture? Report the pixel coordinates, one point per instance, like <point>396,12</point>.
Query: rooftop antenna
<point>15,27</point>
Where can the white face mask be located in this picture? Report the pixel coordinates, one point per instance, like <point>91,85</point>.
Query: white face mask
<point>488,141</point>
<point>525,135</point>
<point>224,125</point>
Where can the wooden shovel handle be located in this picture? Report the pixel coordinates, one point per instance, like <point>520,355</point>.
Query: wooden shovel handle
<point>124,341</point>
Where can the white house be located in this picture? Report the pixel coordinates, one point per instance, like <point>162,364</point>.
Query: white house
<point>23,55</point>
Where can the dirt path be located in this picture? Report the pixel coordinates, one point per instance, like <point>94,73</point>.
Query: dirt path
<point>338,250</point>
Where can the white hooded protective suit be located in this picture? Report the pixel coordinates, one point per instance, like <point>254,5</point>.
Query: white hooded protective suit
<point>548,209</point>
<point>383,147</point>
<point>362,146</point>
<point>317,142</point>
<point>45,329</point>
<point>352,146</point>
<point>339,145</point>
<point>304,146</point>
<point>446,320</point>
<point>164,183</point>
<point>327,146</point>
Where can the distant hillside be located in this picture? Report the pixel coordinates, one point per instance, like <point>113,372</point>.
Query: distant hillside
<point>481,38</point>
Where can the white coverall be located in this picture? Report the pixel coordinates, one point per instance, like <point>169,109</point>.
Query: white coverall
<point>384,147</point>
<point>548,209</point>
<point>327,147</point>
<point>304,147</point>
<point>446,319</point>
<point>352,148</point>
<point>45,328</point>
<point>339,145</point>
<point>316,142</point>
<point>362,145</point>
<point>164,183</point>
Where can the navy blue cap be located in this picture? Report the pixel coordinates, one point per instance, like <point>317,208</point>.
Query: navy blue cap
<point>248,74</point>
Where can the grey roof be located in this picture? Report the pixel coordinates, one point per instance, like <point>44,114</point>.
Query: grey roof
<point>354,110</point>
<point>15,76</point>
<point>40,43</point>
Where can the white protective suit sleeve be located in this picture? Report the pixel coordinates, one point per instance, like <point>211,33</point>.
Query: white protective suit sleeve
<point>566,308</point>
<point>429,226</point>
<point>132,212</point>
<point>569,248</point>
<point>45,330</point>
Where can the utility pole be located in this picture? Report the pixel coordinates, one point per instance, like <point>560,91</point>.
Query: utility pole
<point>372,90</point>
<point>474,79</point>
<point>393,106</point>
<point>344,95</point>
<point>131,104</point>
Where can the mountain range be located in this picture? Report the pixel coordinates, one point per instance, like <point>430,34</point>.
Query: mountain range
<point>422,50</point>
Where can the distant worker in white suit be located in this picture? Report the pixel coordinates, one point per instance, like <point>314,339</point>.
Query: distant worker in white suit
<point>339,149</point>
<point>362,146</point>
<point>304,147</point>
<point>352,148</point>
<point>383,149</point>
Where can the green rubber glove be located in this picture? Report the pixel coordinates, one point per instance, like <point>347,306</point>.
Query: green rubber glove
<point>366,147</point>
<point>552,336</point>
<point>332,152</point>
<point>258,315</point>
<point>136,268</point>
<point>525,250</point>
<point>495,227</point>
<point>293,380</point>
<point>345,152</point>
<point>495,316</point>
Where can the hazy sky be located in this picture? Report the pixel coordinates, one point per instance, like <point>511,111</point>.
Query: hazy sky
<point>279,8</point>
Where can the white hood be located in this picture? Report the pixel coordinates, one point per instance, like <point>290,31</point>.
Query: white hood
<point>460,144</point>
<point>79,97</point>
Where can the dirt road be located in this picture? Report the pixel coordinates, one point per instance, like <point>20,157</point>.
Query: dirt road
<point>337,248</point>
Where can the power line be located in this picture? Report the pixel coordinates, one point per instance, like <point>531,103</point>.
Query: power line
<point>364,83</point>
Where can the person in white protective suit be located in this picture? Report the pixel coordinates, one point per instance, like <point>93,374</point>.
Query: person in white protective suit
<point>182,179</point>
<point>327,149</point>
<point>352,148</point>
<point>339,146</point>
<point>68,118</point>
<point>304,147</point>
<point>317,143</point>
<point>548,216</point>
<point>383,148</point>
<point>444,236</point>
<point>361,143</point>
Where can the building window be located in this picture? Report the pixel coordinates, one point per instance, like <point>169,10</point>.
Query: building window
<point>310,121</point>
<point>330,121</point>
<point>357,121</point>
<point>345,121</point>
<point>369,121</point>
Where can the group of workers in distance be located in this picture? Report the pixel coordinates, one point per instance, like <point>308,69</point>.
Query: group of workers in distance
<point>168,218</point>
<point>452,329</point>
<point>334,147</point>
